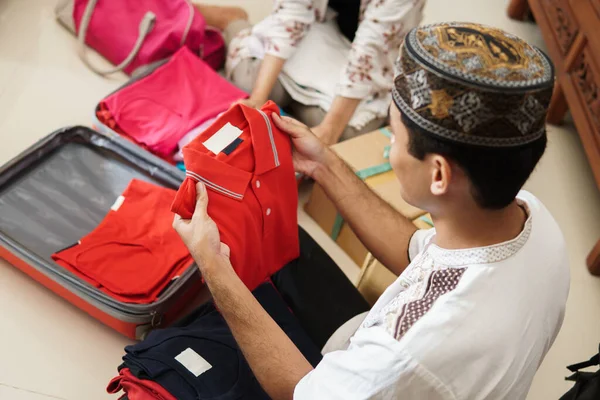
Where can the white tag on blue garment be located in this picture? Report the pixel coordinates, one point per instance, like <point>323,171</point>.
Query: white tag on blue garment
<point>118,203</point>
<point>193,362</point>
<point>223,138</point>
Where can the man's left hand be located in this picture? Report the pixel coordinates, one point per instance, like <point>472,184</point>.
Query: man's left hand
<point>201,235</point>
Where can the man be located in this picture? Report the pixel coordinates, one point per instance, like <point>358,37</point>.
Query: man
<point>480,298</point>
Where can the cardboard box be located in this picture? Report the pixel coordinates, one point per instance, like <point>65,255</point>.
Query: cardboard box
<point>424,222</point>
<point>366,155</point>
<point>374,279</point>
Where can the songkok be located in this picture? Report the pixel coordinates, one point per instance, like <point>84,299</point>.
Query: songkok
<point>473,84</point>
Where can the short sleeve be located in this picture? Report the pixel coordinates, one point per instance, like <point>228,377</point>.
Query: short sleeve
<point>374,367</point>
<point>418,241</point>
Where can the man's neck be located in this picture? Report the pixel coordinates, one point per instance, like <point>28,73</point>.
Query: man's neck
<point>469,227</point>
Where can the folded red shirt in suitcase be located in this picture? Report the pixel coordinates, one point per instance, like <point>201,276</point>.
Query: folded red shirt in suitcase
<point>245,161</point>
<point>134,253</point>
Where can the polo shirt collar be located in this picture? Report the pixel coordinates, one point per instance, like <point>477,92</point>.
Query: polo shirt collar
<point>263,137</point>
<point>224,178</point>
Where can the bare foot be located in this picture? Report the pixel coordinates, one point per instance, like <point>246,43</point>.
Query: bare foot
<point>221,17</point>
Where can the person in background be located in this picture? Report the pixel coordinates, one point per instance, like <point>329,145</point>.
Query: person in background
<point>481,297</point>
<point>256,55</point>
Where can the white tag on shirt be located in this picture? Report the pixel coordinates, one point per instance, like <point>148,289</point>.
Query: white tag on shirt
<point>118,203</point>
<point>223,138</point>
<point>193,362</point>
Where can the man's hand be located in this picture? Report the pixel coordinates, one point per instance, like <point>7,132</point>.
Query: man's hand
<point>201,235</point>
<point>309,150</point>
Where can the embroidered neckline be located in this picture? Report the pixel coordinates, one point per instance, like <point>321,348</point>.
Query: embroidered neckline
<point>482,255</point>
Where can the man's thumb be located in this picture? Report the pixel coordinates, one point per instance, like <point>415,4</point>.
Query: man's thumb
<point>201,199</point>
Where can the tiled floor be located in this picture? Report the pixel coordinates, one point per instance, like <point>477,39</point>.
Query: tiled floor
<point>51,350</point>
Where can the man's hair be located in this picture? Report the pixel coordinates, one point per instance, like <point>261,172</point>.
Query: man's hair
<point>496,173</point>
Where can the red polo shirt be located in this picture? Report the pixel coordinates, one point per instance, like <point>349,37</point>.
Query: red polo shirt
<point>134,253</point>
<point>253,197</point>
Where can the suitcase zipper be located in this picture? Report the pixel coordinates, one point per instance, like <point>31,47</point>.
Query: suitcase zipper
<point>156,319</point>
<point>270,130</point>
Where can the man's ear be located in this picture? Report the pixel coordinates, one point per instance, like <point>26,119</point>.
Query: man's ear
<point>441,175</point>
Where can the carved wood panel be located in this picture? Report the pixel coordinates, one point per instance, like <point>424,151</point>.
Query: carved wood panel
<point>596,4</point>
<point>561,19</point>
<point>587,80</point>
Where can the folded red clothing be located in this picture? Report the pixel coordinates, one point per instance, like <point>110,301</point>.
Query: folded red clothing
<point>136,388</point>
<point>245,161</point>
<point>134,253</point>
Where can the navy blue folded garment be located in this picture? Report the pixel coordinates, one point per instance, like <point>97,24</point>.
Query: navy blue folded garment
<point>198,357</point>
<point>317,291</point>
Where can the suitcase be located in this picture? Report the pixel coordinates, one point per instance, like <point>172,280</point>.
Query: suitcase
<point>57,191</point>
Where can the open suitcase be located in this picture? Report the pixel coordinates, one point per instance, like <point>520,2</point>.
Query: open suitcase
<point>57,191</point>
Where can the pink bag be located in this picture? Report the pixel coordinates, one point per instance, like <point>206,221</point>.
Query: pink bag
<point>133,33</point>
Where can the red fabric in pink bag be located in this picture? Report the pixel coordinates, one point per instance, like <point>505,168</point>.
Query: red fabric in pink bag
<point>114,28</point>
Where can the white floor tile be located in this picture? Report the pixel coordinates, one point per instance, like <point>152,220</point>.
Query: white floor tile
<point>14,393</point>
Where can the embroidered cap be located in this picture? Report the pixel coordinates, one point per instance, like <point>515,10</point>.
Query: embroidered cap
<point>474,84</point>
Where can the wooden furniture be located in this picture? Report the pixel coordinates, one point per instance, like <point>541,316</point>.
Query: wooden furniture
<point>571,29</point>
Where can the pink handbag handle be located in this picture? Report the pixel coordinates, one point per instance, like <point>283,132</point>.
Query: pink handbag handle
<point>145,27</point>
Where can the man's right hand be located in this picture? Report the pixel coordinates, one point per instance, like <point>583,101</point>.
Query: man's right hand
<point>309,151</point>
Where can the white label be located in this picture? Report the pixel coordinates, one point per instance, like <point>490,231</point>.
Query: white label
<point>223,138</point>
<point>193,362</point>
<point>118,203</point>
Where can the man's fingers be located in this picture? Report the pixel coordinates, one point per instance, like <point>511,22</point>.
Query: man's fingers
<point>294,128</point>
<point>292,121</point>
<point>201,200</point>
